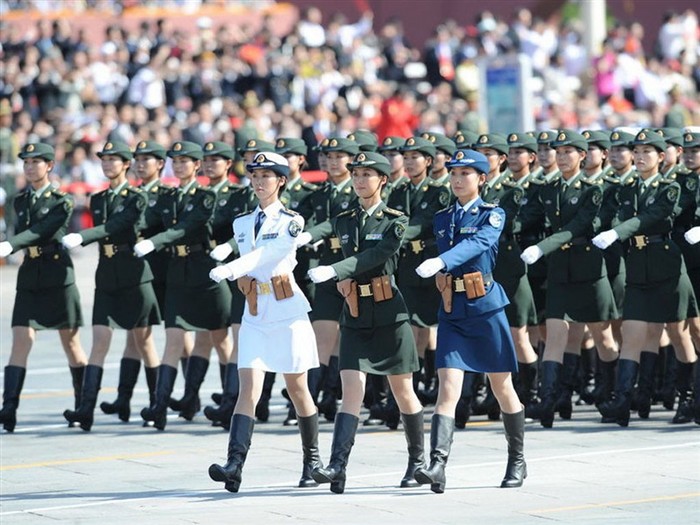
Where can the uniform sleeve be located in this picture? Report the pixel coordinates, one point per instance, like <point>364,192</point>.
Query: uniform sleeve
<point>473,246</point>
<point>123,221</point>
<point>375,256</point>
<point>271,253</point>
<point>663,209</point>
<point>321,231</point>
<point>43,231</point>
<point>201,214</point>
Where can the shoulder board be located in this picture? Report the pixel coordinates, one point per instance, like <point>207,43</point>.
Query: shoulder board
<point>510,183</point>
<point>667,181</point>
<point>243,214</point>
<point>488,205</point>
<point>289,212</point>
<point>433,182</point>
<point>345,213</point>
<point>597,182</point>
<point>309,186</point>
<point>537,181</point>
<point>444,210</point>
<point>392,211</point>
<point>58,192</point>
<point>611,180</point>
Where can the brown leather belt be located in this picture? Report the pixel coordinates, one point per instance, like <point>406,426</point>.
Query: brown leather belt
<point>34,252</point>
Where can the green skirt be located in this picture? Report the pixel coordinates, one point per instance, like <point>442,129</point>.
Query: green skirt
<point>666,302</point>
<point>198,308</point>
<point>521,310</point>
<point>55,308</point>
<point>133,307</point>
<point>586,302</point>
<point>384,350</point>
<point>327,303</point>
<point>423,304</point>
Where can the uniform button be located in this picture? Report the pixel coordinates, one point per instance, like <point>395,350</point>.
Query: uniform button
<point>355,248</point>
<point>588,248</point>
<point>666,247</point>
<point>510,247</point>
<point>55,257</point>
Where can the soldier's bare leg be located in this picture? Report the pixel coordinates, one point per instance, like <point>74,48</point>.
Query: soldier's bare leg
<point>682,343</point>
<point>70,340</point>
<point>174,343</point>
<point>402,388</point>
<point>557,339</point>
<point>22,340</point>
<point>604,339</point>
<point>523,347</point>
<point>131,351</point>
<point>202,345</point>
<point>251,385</point>
<point>327,337</point>
<point>502,386</point>
<point>221,342</point>
<point>449,392</point>
<point>101,338</point>
<point>298,390</point>
<point>142,339</point>
<point>353,391</point>
<point>422,336</point>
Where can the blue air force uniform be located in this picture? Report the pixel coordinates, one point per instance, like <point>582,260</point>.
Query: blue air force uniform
<point>475,336</point>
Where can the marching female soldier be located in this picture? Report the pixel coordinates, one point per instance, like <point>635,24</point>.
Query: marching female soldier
<point>124,296</point>
<point>376,337</point>
<point>47,297</point>
<point>473,332</point>
<point>275,335</point>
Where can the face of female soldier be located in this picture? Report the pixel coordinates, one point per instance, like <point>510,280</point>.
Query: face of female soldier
<point>621,158</point>
<point>185,169</point>
<point>647,160</point>
<point>519,160</point>
<point>215,167</point>
<point>416,165</point>
<point>495,158</point>
<point>547,156</point>
<point>337,169</point>
<point>266,184</point>
<point>466,183</point>
<point>691,158</point>
<point>114,167</point>
<point>367,182</point>
<point>147,167</point>
<point>595,158</point>
<point>37,171</point>
<point>569,160</point>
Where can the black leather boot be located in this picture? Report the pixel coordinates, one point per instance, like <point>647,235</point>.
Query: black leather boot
<point>392,414</point>
<point>441,432</point>
<point>528,383</point>
<point>14,380</point>
<point>587,370</point>
<point>151,381</point>
<point>77,373</point>
<point>327,406</point>
<point>216,396</point>
<point>618,408</point>
<point>479,395</point>
<point>568,382</point>
<point>413,429</point>
<point>696,410</point>
<point>308,430</point>
<point>376,397</point>
<point>314,377</point>
<point>464,406</point>
<point>128,375</point>
<point>549,394</point>
<point>684,385</point>
<point>221,415</point>
<point>85,415</point>
<point>239,440</point>
<point>190,403</point>
<point>645,383</point>
<point>516,470</point>
<point>343,440</point>
<point>262,409</point>
<point>605,381</point>
<point>668,391</point>
<point>158,411</point>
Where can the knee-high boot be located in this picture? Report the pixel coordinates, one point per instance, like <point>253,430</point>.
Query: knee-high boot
<point>392,415</point>
<point>684,385</point>
<point>587,368</point>
<point>85,415</point>
<point>216,396</point>
<point>158,411</point>
<point>327,406</point>
<point>262,409</point>
<point>221,415</point>
<point>128,375</point>
<point>413,429</point>
<point>376,397</point>
<point>14,380</point>
<point>668,390</point>
<point>308,430</point>
<point>239,440</point>
<point>151,382</point>
<point>441,432</point>
<point>618,408</point>
<point>549,393</point>
<point>528,383</point>
<point>343,440</point>
<point>516,470</point>
<point>645,383</point>
<point>190,403</point>
<point>696,410</point>
<point>463,411</point>
<point>569,380</point>
<point>604,381</point>
<point>77,373</point>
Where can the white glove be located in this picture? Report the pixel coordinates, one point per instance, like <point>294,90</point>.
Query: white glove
<point>605,239</point>
<point>143,248</point>
<point>430,267</point>
<point>692,235</point>
<point>72,240</point>
<point>303,238</point>
<point>5,249</point>
<point>220,273</point>
<point>220,252</point>
<point>531,254</point>
<point>322,274</point>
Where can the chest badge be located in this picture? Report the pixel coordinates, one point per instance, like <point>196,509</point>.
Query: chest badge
<point>573,200</point>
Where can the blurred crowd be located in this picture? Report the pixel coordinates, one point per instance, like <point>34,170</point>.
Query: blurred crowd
<point>329,76</point>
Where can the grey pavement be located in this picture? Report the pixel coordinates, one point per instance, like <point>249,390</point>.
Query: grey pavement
<point>579,472</point>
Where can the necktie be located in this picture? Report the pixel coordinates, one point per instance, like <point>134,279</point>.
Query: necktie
<point>259,218</point>
<point>34,198</point>
<point>459,215</point>
<point>363,218</point>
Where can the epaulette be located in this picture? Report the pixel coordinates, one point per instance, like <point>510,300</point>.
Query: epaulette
<point>58,192</point>
<point>611,180</point>
<point>346,213</point>
<point>510,183</point>
<point>392,211</point>
<point>287,211</point>
<point>538,181</point>
<point>666,181</point>
<point>597,182</point>
<point>309,186</point>
<point>444,210</point>
<point>488,205</point>
<point>243,214</point>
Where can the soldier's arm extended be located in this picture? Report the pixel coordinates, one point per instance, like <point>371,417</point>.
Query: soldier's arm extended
<point>580,225</point>
<point>44,230</point>
<point>321,231</point>
<point>663,209</point>
<point>119,222</point>
<point>201,213</point>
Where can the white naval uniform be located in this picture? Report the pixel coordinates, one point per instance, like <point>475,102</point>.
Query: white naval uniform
<point>280,337</point>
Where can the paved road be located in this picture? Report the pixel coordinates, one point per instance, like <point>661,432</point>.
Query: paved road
<point>579,471</point>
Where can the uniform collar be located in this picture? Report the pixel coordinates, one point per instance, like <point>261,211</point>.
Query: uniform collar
<point>594,177</point>
<point>370,212</point>
<point>41,190</point>
<point>551,177</point>
<point>468,206</point>
<point>119,188</point>
<point>149,185</point>
<point>272,211</point>
<point>341,186</point>
<point>220,185</point>
<point>651,180</point>
<point>188,186</point>
<point>422,183</point>
<point>444,179</point>
<point>571,181</point>
<point>292,182</point>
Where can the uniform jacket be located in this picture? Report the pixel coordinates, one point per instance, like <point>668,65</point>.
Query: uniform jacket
<point>43,223</point>
<point>151,224</point>
<point>471,245</point>
<point>117,220</point>
<point>326,207</point>
<point>296,198</point>
<point>272,252</point>
<point>369,252</point>
<point>687,213</point>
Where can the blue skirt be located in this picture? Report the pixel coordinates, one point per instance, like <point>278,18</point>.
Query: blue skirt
<point>477,344</point>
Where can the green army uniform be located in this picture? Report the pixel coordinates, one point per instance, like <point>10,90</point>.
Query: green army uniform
<point>152,221</point>
<point>192,301</point>
<point>658,287</point>
<point>124,296</point>
<point>392,144</point>
<point>420,205</point>
<point>689,200</point>
<point>445,145</point>
<point>577,286</point>
<point>47,297</point>
<point>672,137</point>
<point>328,202</point>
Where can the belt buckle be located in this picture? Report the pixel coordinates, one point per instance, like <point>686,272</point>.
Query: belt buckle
<point>109,250</point>
<point>34,251</point>
<point>459,285</point>
<point>566,246</point>
<point>182,250</point>
<point>640,241</point>
<point>417,246</point>
<point>334,243</point>
<point>264,288</point>
<point>364,290</point>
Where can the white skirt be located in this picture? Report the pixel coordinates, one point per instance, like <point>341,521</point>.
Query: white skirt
<point>285,347</point>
